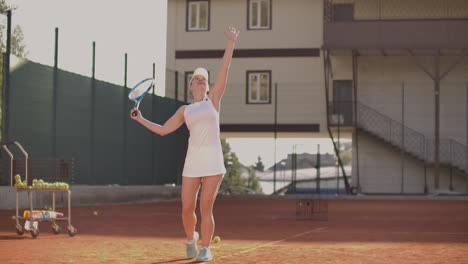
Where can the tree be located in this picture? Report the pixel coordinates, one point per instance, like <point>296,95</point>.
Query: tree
<point>346,158</point>
<point>18,48</point>
<point>233,181</point>
<point>346,155</point>
<point>259,165</point>
<point>232,164</point>
<point>252,181</point>
<point>4,6</point>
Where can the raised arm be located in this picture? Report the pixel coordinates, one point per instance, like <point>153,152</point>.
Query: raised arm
<point>170,126</point>
<point>217,91</point>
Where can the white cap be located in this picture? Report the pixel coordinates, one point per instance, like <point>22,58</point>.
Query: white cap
<point>200,71</point>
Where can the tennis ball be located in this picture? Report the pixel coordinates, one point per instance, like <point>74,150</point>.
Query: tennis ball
<point>13,217</point>
<point>216,239</point>
<point>95,213</point>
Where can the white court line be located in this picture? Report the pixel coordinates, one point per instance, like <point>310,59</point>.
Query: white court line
<point>404,232</point>
<point>281,240</point>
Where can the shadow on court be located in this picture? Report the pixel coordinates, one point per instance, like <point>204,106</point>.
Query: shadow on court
<point>422,221</point>
<point>175,261</point>
<point>260,231</point>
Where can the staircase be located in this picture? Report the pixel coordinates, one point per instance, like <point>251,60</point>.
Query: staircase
<point>451,153</point>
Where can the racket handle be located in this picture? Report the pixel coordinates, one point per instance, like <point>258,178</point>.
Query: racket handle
<point>134,112</point>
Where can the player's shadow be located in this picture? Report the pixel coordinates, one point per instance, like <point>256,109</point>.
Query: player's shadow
<point>13,237</point>
<point>175,260</point>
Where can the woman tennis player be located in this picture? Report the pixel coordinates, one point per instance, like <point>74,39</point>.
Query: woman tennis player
<point>204,165</point>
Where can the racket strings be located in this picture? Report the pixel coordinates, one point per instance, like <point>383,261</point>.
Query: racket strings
<point>140,89</point>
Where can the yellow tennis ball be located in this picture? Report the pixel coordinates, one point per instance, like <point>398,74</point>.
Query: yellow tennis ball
<point>95,213</point>
<point>216,239</point>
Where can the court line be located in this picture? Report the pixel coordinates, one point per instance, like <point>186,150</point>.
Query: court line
<point>402,232</point>
<point>279,241</point>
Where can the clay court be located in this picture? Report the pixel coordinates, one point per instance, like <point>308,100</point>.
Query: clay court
<point>254,231</point>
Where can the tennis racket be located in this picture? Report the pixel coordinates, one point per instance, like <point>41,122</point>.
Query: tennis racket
<point>138,92</point>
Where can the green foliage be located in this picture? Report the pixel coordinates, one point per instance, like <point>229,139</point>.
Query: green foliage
<point>345,149</point>
<point>18,48</point>
<point>233,181</point>
<point>259,165</point>
<point>346,158</point>
<point>5,7</point>
<point>252,181</point>
<point>346,146</point>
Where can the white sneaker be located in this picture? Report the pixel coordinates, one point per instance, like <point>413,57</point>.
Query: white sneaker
<point>205,255</point>
<point>192,246</point>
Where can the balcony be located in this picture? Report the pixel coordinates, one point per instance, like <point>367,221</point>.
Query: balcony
<point>395,24</point>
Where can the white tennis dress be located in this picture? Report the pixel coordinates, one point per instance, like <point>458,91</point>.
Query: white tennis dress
<point>204,154</point>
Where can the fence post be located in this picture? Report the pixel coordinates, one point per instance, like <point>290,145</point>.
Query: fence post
<point>402,137</point>
<point>318,163</point>
<point>93,111</point>
<point>124,105</point>
<point>6,83</point>
<point>275,137</point>
<point>153,98</point>
<point>451,164</point>
<point>176,85</point>
<point>426,189</point>
<point>54,97</point>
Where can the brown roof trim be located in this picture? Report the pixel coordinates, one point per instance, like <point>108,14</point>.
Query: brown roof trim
<point>270,128</point>
<point>248,53</point>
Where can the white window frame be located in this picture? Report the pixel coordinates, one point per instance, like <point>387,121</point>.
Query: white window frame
<point>259,14</point>
<point>257,100</point>
<point>197,27</point>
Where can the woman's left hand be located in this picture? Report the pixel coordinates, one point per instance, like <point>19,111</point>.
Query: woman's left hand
<point>232,33</point>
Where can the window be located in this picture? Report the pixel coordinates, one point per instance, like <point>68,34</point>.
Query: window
<point>259,14</point>
<point>198,15</point>
<point>342,112</point>
<point>343,12</point>
<point>258,87</point>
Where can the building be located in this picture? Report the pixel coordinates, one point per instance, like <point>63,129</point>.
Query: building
<point>398,71</point>
<point>269,56</point>
<point>305,160</point>
<point>391,75</point>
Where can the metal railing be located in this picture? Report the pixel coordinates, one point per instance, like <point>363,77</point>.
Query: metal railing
<point>391,131</point>
<point>394,9</point>
<point>414,143</point>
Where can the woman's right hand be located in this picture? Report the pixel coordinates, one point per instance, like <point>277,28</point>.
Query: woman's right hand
<point>135,114</point>
<point>231,33</point>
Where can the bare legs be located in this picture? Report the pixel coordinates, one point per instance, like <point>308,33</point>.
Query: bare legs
<point>210,186</point>
<point>190,187</point>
